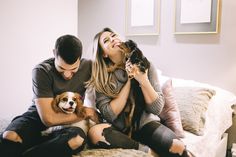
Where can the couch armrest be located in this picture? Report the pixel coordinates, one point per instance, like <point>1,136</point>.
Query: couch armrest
<point>4,122</point>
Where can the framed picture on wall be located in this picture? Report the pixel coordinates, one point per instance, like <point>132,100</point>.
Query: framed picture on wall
<point>196,16</point>
<point>142,17</point>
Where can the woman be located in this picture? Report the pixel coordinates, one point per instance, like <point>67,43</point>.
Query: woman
<point>114,93</point>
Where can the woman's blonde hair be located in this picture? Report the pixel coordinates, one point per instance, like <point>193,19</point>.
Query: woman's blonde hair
<point>101,79</point>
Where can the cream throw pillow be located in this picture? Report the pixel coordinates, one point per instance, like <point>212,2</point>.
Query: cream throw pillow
<point>193,103</point>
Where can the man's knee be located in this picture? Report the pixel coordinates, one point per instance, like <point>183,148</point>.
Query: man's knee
<point>76,142</point>
<point>11,136</point>
<point>77,139</point>
<point>177,147</point>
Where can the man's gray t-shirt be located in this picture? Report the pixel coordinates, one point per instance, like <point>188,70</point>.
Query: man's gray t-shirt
<point>48,82</point>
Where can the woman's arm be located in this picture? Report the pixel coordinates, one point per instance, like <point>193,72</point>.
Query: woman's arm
<point>118,103</point>
<point>109,107</point>
<point>151,90</point>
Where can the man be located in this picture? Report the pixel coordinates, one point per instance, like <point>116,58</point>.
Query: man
<point>65,72</point>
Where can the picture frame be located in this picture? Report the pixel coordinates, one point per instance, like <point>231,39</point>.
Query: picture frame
<point>142,17</point>
<point>185,22</point>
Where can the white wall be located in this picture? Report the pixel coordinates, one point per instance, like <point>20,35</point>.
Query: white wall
<point>206,58</point>
<point>28,30</point>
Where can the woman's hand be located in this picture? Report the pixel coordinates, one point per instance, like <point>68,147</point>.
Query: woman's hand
<point>133,71</point>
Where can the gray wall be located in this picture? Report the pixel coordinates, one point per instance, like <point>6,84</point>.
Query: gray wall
<point>205,58</point>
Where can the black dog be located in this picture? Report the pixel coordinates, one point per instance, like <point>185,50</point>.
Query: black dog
<point>135,56</point>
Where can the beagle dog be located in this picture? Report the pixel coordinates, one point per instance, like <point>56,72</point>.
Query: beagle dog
<point>69,103</point>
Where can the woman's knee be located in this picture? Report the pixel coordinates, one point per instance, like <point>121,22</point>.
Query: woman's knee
<point>95,133</point>
<point>162,137</point>
<point>11,136</point>
<point>177,147</point>
<point>159,136</point>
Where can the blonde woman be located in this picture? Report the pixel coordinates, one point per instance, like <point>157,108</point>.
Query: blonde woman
<point>114,92</point>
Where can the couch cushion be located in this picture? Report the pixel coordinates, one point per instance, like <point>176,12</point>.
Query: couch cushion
<point>193,103</point>
<point>170,114</point>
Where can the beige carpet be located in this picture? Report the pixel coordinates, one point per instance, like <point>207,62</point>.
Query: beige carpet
<point>112,153</point>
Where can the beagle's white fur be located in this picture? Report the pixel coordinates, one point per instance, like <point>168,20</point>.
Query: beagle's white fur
<point>69,103</point>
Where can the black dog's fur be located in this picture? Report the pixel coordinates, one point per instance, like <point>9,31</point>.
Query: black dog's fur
<point>132,53</point>
<point>135,55</point>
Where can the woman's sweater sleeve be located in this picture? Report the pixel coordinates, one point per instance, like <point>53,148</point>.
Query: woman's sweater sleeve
<point>157,105</point>
<point>103,105</point>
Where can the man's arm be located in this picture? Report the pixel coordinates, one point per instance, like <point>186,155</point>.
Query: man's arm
<point>51,118</point>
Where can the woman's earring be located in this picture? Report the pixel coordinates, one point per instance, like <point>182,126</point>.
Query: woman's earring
<point>105,55</point>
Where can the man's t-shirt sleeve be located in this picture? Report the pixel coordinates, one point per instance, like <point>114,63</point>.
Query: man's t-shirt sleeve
<point>41,84</point>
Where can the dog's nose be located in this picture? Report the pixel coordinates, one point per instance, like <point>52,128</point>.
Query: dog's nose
<point>71,103</point>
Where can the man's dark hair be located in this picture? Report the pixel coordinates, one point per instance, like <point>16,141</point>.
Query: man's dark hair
<point>69,48</point>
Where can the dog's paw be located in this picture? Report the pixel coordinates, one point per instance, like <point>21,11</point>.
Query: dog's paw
<point>95,119</point>
<point>89,113</point>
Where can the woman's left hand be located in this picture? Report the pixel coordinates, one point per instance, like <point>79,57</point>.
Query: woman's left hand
<point>134,72</point>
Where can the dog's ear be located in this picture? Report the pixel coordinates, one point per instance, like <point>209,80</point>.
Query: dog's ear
<point>79,107</point>
<point>55,103</point>
<point>131,44</point>
<point>79,99</point>
<point>124,47</point>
